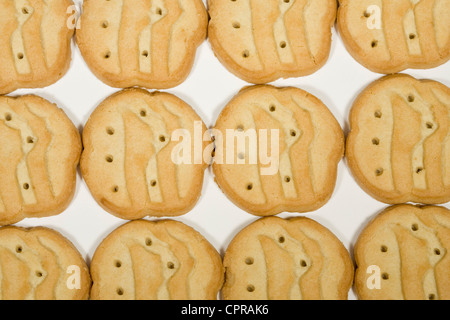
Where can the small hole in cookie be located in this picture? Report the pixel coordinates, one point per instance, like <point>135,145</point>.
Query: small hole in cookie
<point>437,252</point>
<point>20,56</point>
<point>384,249</point>
<point>118,264</point>
<point>293,133</point>
<point>162,138</point>
<point>8,117</point>
<point>143,113</point>
<point>374,43</point>
<point>145,53</point>
<point>105,24</point>
<point>287,179</point>
<point>245,54</point>
<point>25,10</point>
<point>26,186</point>
<point>412,36</point>
<point>236,25</point>
<point>411,98</point>
<point>419,170</point>
<point>148,242</point>
<point>272,108</point>
<point>30,140</point>
<point>119,291</point>
<point>287,1</point>
<point>240,128</point>
<point>379,172</point>
<point>415,227</point>
<point>249,261</point>
<point>429,125</point>
<point>19,249</point>
<point>170,265</point>
<point>110,131</point>
<point>115,189</point>
<point>241,156</point>
<point>366,14</point>
<point>109,159</point>
<point>431,296</point>
<point>250,288</point>
<point>385,276</point>
<point>283,44</point>
<point>281,239</point>
<point>250,186</point>
<point>378,114</point>
<point>303,263</point>
<point>107,55</point>
<point>153,183</point>
<point>375,141</point>
<point>39,274</point>
<point>159,11</point>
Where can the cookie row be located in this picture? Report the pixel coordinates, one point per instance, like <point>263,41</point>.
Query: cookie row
<point>401,254</point>
<point>272,150</point>
<point>153,44</point>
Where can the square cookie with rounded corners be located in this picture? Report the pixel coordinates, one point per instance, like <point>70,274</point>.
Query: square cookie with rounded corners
<point>287,259</point>
<point>277,149</point>
<point>391,36</point>
<point>156,260</point>
<point>39,154</point>
<point>36,43</point>
<point>398,148</point>
<point>40,264</point>
<point>402,254</point>
<point>262,41</point>
<point>142,155</point>
<point>150,44</point>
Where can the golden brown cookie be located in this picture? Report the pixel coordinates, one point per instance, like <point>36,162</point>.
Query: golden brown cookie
<point>162,260</point>
<point>391,36</point>
<point>262,41</point>
<point>287,259</point>
<point>40,264</point>
<point>39,154</point>
<point>146,43</point>
<point>130,154</point>
<point>35,42</point>
<point>402,254</point>
<point>277,149</point>
<point>398,148</point>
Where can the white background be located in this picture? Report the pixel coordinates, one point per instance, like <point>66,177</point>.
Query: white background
<point>208,89</point>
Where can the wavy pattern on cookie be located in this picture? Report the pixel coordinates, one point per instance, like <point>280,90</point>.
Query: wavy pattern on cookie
<point>309,147</point>
<point>149,43</point>
<point>261,41</point>
<point>399,142</point>
<point>156,261</point>
<point>128,143</point>
<point>410,246</point>
<point>36,43</point>
<point>39,155</point>
<point>275,259</point>
<point>35,265</point>
<point>391,36</point>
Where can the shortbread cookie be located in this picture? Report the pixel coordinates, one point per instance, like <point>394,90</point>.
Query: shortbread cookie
<point>132,161</point>
<point>402,254</point>
<point>41,264</point>
<point>391,36</point>
<point>156,260</point>
<point>398,148</point>
<point>147,43</point>
<point>277,149</point>
<point>262,41</point>
<point>39,154</point>
<point>287,259</point>
<point>35,42</point>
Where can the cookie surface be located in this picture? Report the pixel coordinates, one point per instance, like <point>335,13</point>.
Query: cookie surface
<point>391,36</point>
<point>35,42</point>
<point>151,44</point>
<point>398,149</point>
<point>282,153</point>
<point>129,161</point>
<point>408,246</point>
<point>41,264</point>
<point>286,259</point>
<point>39,154</point>
<point>162,260</point>
<point>261,41</point>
